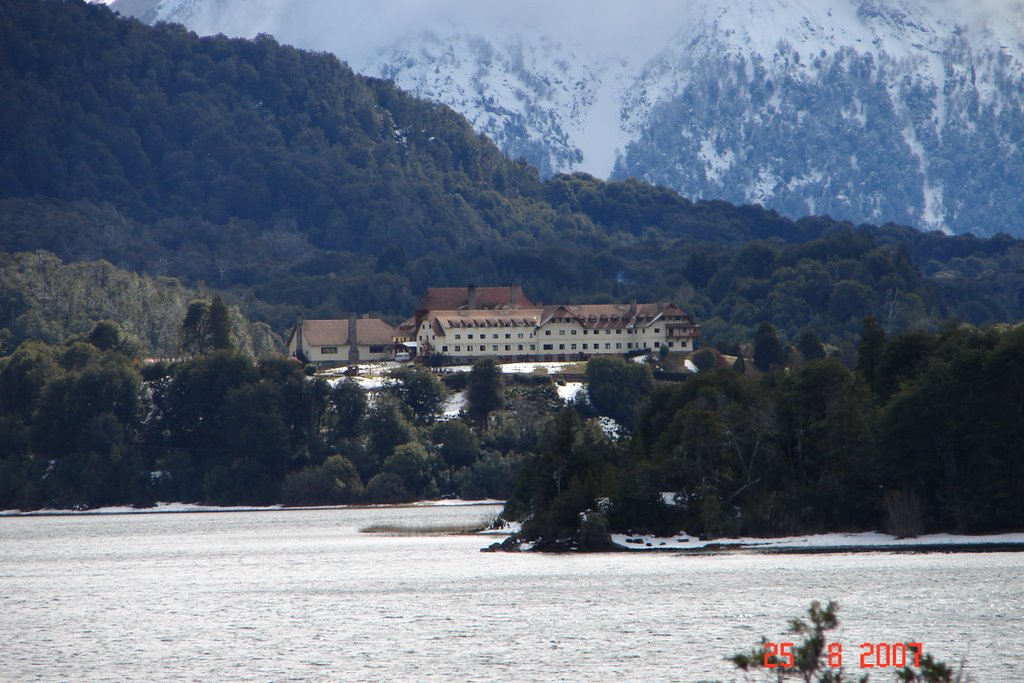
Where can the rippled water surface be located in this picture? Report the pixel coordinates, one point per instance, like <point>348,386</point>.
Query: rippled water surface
<point>303,596</point>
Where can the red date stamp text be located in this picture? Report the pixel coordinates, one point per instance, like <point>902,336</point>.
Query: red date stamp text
<point>871,655</point>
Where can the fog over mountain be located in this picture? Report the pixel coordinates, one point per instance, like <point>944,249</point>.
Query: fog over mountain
<point>869,110</point>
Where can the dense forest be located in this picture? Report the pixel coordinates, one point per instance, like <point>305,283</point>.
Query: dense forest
<point>202,192</point>
<point>87,423</point>
<point>922,434</point>
<point>925,434</point>
<point>291,185</point>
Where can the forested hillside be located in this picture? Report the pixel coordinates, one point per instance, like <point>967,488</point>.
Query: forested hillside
<point>45,300</point>
<point>924,435</point>
<point>294,186</point>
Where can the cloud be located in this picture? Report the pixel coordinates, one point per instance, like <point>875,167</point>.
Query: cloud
<point>987,13</point>
<point>355,29</point>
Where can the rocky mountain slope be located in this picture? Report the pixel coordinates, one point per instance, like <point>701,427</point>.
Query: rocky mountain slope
<point>867,110</point>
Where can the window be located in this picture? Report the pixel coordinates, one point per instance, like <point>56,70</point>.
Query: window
<point>657,330</point>
<point>508,347</point>
<point>584,331</point>
<point>469,348</point>
<point>444,349</point>
<point>508,335</point>
<point>458,336</point>
<point>377,348</point>
<point>548,347</point>
<point>561,332</point>
<point>572,347</point>
<point>494,336</point>
<point>618,345</point>
<point>547,332</point>
<point>607,345</point>
<point>533,347</point>
<point>607,331</point>
<point>629,345</point>
<point>519,336</point>
<point>618,331</point>
<point>584,347</point>
<point>519,347</point>
<point>494,347</point>
<point>469,336</point>
<point>328,350</point>
<point>561,347</point>
<point>458,348</point>
<point>573,332</point>
<point>657,344</point>
<point>671,344</point>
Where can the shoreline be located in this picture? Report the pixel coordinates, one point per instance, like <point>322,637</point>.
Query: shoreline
<point>190,508</point>
<point>922,548</point>
<point>821,544</point>
<point>680,544</point>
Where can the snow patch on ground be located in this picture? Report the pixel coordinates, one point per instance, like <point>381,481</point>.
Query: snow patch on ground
<point>517,368</point>
<point>454,404</point>
<point>610,427</point>
<point>569,390</point>
<point>838,541</point>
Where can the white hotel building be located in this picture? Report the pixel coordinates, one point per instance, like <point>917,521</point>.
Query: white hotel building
<point>555,332</point>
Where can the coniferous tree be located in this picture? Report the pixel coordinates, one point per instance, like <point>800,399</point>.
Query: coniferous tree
<point>617,388</point>
<point>768,352</point>
<point>810,346</point>
<point>486,390</point>
<point>219,325</point>
<point>195,329</point>
<point>870,351</point>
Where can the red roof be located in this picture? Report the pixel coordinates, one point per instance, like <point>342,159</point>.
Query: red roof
<point>454,298</point>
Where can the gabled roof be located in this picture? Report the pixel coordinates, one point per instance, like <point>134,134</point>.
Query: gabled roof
<point>589,316</point>
<point>335,332</point>
<point>407,326</point>
<point>454,298</point>
<point>613,316</point>
<point>477,318</point>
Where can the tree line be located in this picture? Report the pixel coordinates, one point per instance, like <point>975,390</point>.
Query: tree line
<point>87,423</point>
<point>924,434</point>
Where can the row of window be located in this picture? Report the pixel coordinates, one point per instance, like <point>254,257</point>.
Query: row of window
<point>657,330</point>
<point>483,347</point>
<point>519,335</point>
<point>508,335</point>
<point>470,348</point>
<point>333,350</point>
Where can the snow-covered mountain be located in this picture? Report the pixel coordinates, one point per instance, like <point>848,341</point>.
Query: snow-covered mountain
<point>870,110</point>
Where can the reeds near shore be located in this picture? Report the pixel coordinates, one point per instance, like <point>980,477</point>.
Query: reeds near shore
<point>454,529</point>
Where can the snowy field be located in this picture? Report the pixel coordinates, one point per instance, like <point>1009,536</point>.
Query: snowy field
<point>372,376</point>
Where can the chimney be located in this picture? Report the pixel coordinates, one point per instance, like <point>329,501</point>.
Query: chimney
<point>632,305</point>
<point>513,296</point>
<point>353,343</point>
<point>472,297</point>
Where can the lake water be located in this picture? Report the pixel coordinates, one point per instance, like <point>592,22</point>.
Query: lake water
<point>303,596</point>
